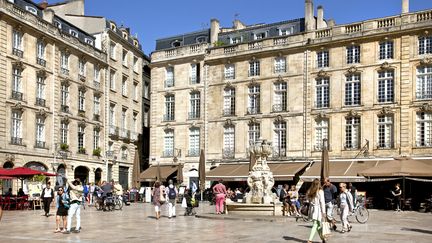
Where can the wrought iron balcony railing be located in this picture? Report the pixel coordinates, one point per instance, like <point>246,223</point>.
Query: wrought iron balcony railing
<point>39,144</point>
<point>168,117</point>
<point>41,61</point>
<point>194,115</point>
<point>17,52</point>
<point>16,140</point>
<point>64,108</point>
<point>193,152</point>
<point>228,153</point>
<point>279,108</point>
<point>424,95</point>
<point>168,153</point>
<point>64,71</point>
<point>40,102</point>
<point>228,112</point>
<point>16,95</point>
<point>253,110</point>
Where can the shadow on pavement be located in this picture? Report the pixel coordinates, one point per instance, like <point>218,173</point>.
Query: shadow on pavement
<point>418,230</point>
<point>293,239</point>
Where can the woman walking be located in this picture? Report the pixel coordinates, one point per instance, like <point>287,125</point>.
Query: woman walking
<point>346,206</point>
<point>397,192</point>
<point>220,192</point>
<point>62,204</point>
<point>157,194</point>
<point>315,196</point>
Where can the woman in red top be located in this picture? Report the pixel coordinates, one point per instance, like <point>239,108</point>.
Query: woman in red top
<point>220,192</point>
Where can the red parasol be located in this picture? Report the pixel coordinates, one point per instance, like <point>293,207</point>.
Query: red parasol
<point>24,172</point>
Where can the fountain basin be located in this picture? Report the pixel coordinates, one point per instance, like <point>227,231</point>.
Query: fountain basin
<point>268,209</point>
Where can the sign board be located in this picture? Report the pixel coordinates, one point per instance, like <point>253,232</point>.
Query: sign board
<point>148,194</point>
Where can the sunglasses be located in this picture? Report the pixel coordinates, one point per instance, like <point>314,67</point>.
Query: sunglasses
<point>60,190</point>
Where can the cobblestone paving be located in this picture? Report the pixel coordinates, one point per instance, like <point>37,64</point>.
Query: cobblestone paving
<point>136,223</point>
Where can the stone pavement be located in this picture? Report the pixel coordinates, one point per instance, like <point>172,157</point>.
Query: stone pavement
<point>136,223</point>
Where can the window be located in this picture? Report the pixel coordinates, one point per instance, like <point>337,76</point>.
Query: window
<point>146,90</point>
<point>64,129</point>
<point>57,24</point>
<point>194,141</point>
<point>385,86</point>
<point>254,99</point>
<point>229,142</point>
<point>321,133</point>
<point>40,132</point>
<point>352,132</point>
<point>424,129</point>
<point>64,95</point>
<point>424,82</point>
<point>135,64</point>
<point>16,131</point>
<point>123,124</point>
<point>96,138</point>
<point>96,105</point>
<point>280,97</point>
<point>81,100</point>
<point>81,135</point>
<point>261,35</point>
<point>235,40</point>
<point>111,115</point>
<point>96,73</point>
<point>254,133</point>
<point>385,131</point>
<point>352,89</point>
<point>425,45</point>
<point>88,41</point>
<point>146,117</point>
<point>195,73</point>
<point>124,154</point>
<point>73,33</point>
<point>81,67</point>
<point>125,58</point>
<point>169,108</point>
<point>169,81</point>
<point>287,31</point>
<point>40,49</point>
<point>169,143</point>
<point>254,68</point>
<point>31,10</point>
<point>386,50</point>
<point>17,83</point>
<point>280,65</point>
<point>136,91</point>
<point>40,91</point>
<point>64,63</point>
<point>176,43</point>
<point>195,105</point>
<point>279,139</point>
<point>113,50</point>
<point>134,122</point>
<point>323,59</point>
<point>322,90</point>
<point>124,86</point>
<point>353,54</point>
<point>17,41</point>
<point>229,71</point>
<point>112,79</point>
<point>229,102</point>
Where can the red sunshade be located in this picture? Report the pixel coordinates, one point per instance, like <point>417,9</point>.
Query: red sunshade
<point>23,172</point>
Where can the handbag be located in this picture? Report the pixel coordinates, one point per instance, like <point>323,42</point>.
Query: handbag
<point>184,204</point>
<point>161,197</point>
<point>326,228</point>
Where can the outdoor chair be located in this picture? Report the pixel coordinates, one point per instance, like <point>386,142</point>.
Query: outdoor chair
<point>407,204</point>
<point>37,202</point>
<point>23,203</point>
<point>6,203</point>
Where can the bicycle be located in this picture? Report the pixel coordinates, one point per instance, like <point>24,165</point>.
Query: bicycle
<point>360,213</point>
<point>118,202</point>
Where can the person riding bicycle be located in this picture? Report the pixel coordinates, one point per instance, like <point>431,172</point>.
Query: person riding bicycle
<point>107,189</point>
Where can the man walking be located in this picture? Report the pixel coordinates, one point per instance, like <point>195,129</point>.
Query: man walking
<point>75,195</point>
<point>47,197</point>
<point>172,193</point>
<point>330,192</point>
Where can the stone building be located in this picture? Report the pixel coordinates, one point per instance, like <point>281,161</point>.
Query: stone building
<point>364,86</point>
<point>72,92</point>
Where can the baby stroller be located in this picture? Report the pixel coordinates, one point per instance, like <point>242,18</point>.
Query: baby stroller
<point>191,203</point>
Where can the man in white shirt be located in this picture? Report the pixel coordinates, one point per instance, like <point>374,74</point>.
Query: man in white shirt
<point>47,197</point>
<point>171,192</point>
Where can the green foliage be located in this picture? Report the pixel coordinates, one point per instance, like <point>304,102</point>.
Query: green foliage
<point>82,150</point>
<point>97,151</point>
<point>39,178</point>
<point>64,147</point>
<point>218,43</point>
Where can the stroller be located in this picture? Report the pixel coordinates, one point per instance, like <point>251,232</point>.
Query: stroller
<point>191,203</point>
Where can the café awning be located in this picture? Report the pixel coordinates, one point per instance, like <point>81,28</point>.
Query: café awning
<point>240,172</point>
<point>402,166</point>
<point>150,173</point>
<point>340,171</point>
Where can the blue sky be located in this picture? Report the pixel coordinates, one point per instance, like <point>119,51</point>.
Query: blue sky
<point>153,20</point>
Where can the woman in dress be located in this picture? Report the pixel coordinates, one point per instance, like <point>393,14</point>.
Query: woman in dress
<point>315,196</point>
<point>156,193</point>
<point>62,204</point>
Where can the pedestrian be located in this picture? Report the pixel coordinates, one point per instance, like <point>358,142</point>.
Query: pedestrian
<point>62,204</point>
<point>284,198</point>
<point>75,196</point>
<point>353,190</point>
<point>346,206</point>
<point>172,193</point>
<point>92,191</point>
<point>294,203</point>
<point>315,196</point>
<point>397,192</point>
<point>157,195</point>
<point>219,190</point>
<point>330,192</point>
<point>47,197</point>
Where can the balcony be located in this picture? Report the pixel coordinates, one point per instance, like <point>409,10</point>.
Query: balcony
<point>16,141</point>
<point>124,133</point>
<point>96,117</point>
<point>351,146</point>
<point>96,84</point>
<point>64,108</point>
<point>40,102</point>
<point>64,71</point>
<point>168,153</point>
<point>279,152</point>
<point>134,136</point>
<point>39,144</point>
<point>424,143</point>
<point>424,95</point>
<point>41,61</point>
<point>279,108</point>
<point>228,112</point>
<point>17,52</point>
<point>82,77</point>
<point>113,131</point>
<point>168,117</point>
<point>320,104</point>
<point>17,95</point>
<point>169,83</point>
<point>253,110</point>
<point>194,80</point>
<point>194,152</point>
<point>193,115</point>
<point>228,153</point>
<point>81,113</point>
<point>384,145</point>
<point>109,154</point>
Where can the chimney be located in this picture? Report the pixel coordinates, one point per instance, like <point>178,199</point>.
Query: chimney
<point>320,18</point>
<point>331,23</point>
<point>405,6</point>
<point>238,25</point>
<point>43,4</point>
<point>309,15</point>
<point>214,31</point>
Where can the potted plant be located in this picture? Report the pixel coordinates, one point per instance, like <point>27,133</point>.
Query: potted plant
<point>82,150</point>
<point>97,152</point>
<point>64,147</point>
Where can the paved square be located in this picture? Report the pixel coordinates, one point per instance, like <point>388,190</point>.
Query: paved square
<point>136,223</point>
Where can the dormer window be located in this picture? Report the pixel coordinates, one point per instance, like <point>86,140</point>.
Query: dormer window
<point>201,39</point>
<point>113,27</point>
<point>176,43</point>
<point>89,41</point>
<point>235,40</point>
<point>136,43</point>
<point>31,10</point>
<point>261,35</point>
<point>286,31</point>
<point>73,33</point>
<point>57,24</point>
<point>125,35</point>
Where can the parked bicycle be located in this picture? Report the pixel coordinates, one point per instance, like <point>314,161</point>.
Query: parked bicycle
<point>360,213</point>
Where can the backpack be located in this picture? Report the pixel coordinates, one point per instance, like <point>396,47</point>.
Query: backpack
<point>172,193</point>
<point>85,189</point>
